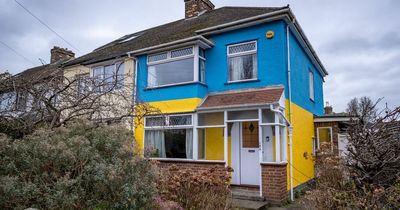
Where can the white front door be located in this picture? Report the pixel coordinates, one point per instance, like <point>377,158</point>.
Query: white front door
<point>245,153</point>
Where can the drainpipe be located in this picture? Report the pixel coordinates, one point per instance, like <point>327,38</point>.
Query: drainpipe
<point>290,113</point>
<point>134,94</point>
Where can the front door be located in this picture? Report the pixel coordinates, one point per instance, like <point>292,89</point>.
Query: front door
<point>245,153</point>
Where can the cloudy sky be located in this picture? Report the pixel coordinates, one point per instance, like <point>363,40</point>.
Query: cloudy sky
<point>358,41</point>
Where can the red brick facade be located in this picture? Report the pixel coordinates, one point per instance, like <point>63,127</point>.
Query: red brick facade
<point>197,166</point>
<point>274,182</point>
<point>274,176</point>
<point>194,7</point>
<point>335,132</point>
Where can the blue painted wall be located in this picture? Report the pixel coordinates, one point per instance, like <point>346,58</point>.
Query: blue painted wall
<point>300,66</point>
<point>272,68</point>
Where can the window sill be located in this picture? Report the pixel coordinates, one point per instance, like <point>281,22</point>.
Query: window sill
<point>174,85</point>
<point>242,81</point>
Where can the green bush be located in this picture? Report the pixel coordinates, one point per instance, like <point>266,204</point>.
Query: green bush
<point>81,166</point>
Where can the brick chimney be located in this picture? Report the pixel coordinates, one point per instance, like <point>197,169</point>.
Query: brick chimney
<point>328,109</point>
<point>194,7</point>
<point>58,53</point>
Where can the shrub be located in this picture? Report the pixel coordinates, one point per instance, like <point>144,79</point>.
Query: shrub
<point>81,166</point>
<point>337,190</point>
<point>190,189</point>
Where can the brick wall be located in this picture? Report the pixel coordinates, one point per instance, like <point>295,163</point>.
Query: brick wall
<point>274,182</point>
<point>194,7</point>
<point>335,132</point>
<point>197,166</point>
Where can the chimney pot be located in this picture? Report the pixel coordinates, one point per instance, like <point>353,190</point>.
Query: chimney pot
<point>58,53</point>
<point>194,8</point>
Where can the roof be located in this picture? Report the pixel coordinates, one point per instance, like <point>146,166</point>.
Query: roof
<point>170,32</point>
<point>333,117</point>
<point>251,97</point>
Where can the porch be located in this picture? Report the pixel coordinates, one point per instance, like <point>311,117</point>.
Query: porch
<point>248,137</point>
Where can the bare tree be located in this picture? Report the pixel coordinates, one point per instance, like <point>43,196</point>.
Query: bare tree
<point>374,143</point>
<point>52,99</point>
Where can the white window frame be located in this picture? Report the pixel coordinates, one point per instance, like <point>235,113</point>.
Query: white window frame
<point>102,66</point>
<point>311,85</point>
<point>167,126</point>
<point>196,70</point>
<point>233,55</point>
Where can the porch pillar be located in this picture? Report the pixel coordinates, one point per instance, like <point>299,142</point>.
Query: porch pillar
<point>226,138</point>
<point>277,140</point>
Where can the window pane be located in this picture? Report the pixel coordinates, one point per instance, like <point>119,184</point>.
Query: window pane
<point>202,68</point>
<point>83,84</point>
<point>158,57</point>
<point>120,72</point>
<point>180,120</point>
<point>201,144</point>
<point>98,77</point>
<point>311,84</point>
<point>243,115</point>
<point>207,119</point>
<point>171,73</point>
<point>178,143</point>
<point>155,121</point>
<point>243,67</point>
<point>182,52</point>
<point>250,134</point>
<point>242,48</point>
<point>268,116</point>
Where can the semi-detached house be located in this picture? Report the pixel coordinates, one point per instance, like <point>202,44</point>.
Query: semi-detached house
<point>236,86</point>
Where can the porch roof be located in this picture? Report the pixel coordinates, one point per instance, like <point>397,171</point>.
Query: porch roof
<point>243,98</point>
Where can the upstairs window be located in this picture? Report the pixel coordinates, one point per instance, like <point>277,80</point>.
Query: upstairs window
<point>176,67</point>
<point>311,84</point>
<point>242,61</point>
<point>108,77</point>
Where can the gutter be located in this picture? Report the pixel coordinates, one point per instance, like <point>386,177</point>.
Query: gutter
<point>263,16</point>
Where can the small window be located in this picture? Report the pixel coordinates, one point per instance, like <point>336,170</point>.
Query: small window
<point>182,52</point>
<point>155,121</point>
<point>157,57</point>
<point>180,120</point>
<point>242,61</point>
<point>311,84</point>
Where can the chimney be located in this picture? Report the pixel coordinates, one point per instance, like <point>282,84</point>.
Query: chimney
<point>58,53</point>
<point>194,8</point>
<point>328,109</point>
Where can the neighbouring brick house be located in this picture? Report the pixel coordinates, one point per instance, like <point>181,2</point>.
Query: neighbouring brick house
<point>330,131</point>
<point>236,86</point>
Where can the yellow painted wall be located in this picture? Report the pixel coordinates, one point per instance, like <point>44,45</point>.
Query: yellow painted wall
<point>303,133</point>
<point>166,107</point>
<point>215,144</point>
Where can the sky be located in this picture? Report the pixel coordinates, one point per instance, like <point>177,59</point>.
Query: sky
<point>358,41</point>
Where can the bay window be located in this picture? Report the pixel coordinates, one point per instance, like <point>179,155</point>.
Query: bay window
<point>242,61</point>
<point>175,67</point>
<point>169,136</point>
